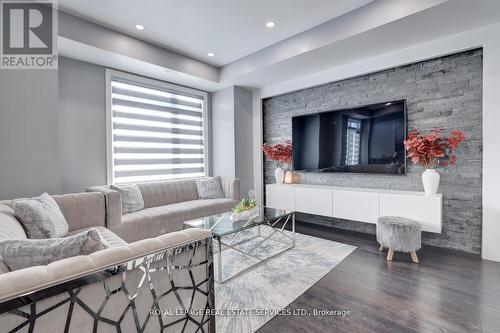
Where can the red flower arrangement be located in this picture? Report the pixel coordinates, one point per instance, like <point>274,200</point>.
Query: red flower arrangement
<point>281,152</point>
<point>433,149</point>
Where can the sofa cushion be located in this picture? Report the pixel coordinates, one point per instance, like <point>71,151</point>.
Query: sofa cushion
<point>10,228</point>
<point>155,221</point>
<point>41,217</point>
<point>168,192</point>
<point>210,188</point>
<point>107,235</point>
<point>3,267</point>
<point>19,254</point>
<point>131,196</point>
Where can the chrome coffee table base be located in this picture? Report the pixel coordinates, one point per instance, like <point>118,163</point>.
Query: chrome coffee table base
<point>277,227</point>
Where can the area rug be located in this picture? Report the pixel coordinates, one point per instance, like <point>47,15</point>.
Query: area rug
<point>249,300</point>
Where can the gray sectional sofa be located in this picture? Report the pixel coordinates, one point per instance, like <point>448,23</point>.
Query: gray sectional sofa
<point>126,286</point>
<point>167,204</point>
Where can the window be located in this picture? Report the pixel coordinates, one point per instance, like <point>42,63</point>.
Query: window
<point>352,141</point>
<point>156,130</point>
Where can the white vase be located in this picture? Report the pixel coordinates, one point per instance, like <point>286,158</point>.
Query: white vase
<point>279,174</point>
<point>430,180</point>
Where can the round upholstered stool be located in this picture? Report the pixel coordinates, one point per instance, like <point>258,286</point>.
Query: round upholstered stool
<point>399,234</point>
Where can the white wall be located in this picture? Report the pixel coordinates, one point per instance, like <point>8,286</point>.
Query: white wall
<point>258,163</point>
<point>29,143</point>
<point>486,37</point>
<point>82,125</point>
<point>243,128</point>
<point>491,146</point>
<point>52,129</point>
<point>232,135</point>
<point>222,124</point>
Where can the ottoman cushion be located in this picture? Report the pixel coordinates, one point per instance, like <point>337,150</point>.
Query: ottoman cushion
<point>399,233</point>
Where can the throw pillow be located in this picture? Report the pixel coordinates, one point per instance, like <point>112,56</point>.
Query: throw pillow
<point>210,188</point>
<point>41,217</point>
<point>23,253</point>
<point>132,199</point>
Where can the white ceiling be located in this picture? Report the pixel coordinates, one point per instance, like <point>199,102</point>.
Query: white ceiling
<point>377,29</point>
<point>232,29</point>
<point>440,21</point>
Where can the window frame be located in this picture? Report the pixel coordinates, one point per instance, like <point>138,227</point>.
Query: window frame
<point>357,129</point>
<point>154,84</point>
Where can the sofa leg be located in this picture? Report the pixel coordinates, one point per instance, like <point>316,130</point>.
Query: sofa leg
<point>381,248</point>
<point>414,257</point>
<point>390,254</point>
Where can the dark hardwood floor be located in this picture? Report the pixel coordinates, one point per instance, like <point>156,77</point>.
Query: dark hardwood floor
<point>448,291</point>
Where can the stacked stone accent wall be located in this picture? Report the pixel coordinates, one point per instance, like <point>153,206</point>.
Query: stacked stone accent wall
<point>445,92</point>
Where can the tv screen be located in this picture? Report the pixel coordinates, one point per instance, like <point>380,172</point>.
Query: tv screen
<point>367,139</point>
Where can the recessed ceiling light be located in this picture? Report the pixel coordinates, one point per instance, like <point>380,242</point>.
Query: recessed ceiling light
<point>270,24</point>
<point>387,104</point>
<point>139,27</point>
<point>210,54</point>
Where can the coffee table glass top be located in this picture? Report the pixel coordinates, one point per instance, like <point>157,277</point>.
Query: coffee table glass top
<point>227,223</point>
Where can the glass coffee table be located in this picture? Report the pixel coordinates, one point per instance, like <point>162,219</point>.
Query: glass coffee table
<point>248,241</point>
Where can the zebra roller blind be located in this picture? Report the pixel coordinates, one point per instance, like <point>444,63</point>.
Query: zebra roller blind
<point>155,133</point>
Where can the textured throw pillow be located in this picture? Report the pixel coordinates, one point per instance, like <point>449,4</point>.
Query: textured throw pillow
<point>132,200</point>
<point>41,217</point>
<point>210,188</point>
<point>23,253</point>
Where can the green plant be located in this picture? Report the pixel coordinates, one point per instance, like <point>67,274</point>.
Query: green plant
<point>244,205</point>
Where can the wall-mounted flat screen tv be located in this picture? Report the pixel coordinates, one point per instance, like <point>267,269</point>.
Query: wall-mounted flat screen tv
<point>366,139</point>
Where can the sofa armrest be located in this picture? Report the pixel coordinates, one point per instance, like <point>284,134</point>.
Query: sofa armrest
<point>113,204</point>
<point>123,272</point>
<point>30,279</point>
<point>231,188</point>
<point>83,210</point>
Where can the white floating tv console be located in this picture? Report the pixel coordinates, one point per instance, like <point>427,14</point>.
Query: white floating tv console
<point>357,204</point>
